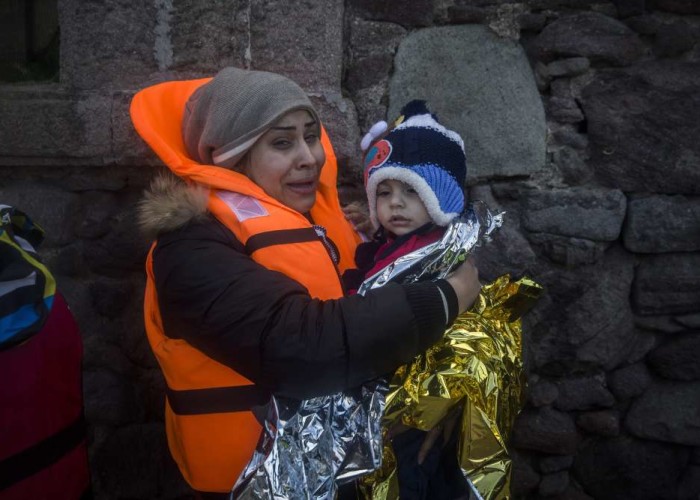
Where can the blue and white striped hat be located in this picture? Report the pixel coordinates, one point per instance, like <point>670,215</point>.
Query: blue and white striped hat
<point>424,154</point>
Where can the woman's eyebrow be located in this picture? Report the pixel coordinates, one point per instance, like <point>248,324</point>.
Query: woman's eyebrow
<point>292,127</point>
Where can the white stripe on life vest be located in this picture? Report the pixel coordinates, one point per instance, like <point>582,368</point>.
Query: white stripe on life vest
<point>12,285</point>
<point>245,207</point>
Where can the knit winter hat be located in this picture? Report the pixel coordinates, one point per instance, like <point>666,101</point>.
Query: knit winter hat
<point>225,117</point>
<point>425,155</point>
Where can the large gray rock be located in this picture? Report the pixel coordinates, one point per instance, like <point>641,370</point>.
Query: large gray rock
<point>110,297</point>
<point>508,251</point>
<point>629,8</point>
<point>98,354</point>
<point>479,85</point>
<point>127,146</point>
<point>555,463</point>
<point>563,110</point>
<point>133,462</point>
<point>122,250</point>
<point>678,6</point>
<point>589,34</point>
<point>553,484</point>
<point>667,412</point>
<point>659,324</point>
<point>568,67</point>
<point>339,116</point>
<point>583,393</point>
<point>689,321</point>
<point>310,53</point>
<point>689,486</point>
<point>593,214</point>
<point>108,43</point>
<point>679,358</point>
<point>658,224</point>
<point>629,381</point>
<point>667,284</point>
<point>586,321</point>
<point>414,13</point>
<point>47,206</point>
<point>618,346</point>
<point>127,330</point>
<point>523,478</point>
<point>674,39</point>
<point>630,113</point>
<point>541,392</point>
<point>94,214</point>
<point>625,468</point>
<point>603,423</point>
<point>151,392</point>
<point>109,398</point>
<point>65,260</point>
<point>574,170</point>
<point>41,124</point>
<point>643,342</point>
<point>372,48</point>
<point>569,252</point>
<point>201,38</point>
<point>545,430</point>
<point>369,63</point>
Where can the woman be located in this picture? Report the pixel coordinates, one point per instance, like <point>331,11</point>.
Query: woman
<point>243,295</point>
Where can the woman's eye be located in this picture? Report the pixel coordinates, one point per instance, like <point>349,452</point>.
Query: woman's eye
<point>311,138</point>
<point>281,143</point>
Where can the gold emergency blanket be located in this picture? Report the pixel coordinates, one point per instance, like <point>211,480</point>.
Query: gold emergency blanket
<point>478,365</point>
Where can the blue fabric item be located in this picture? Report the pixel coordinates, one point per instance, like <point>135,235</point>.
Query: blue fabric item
<point>22,318</point>
<point>449,193</point>
<point>415,145</point>
<point>27,288</point>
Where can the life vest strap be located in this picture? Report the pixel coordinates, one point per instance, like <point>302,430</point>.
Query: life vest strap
<point>216,399</point>
<point>42,454</point>
<point>280,237</point>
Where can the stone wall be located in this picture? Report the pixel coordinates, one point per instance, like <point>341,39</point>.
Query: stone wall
<point>581,122</point>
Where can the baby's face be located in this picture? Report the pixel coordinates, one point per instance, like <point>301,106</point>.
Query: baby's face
<point>399,208</point>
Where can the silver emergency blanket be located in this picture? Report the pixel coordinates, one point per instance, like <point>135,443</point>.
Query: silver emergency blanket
<point>309,447</point>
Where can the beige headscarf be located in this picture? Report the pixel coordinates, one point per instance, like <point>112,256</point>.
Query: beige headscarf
<point>225,117</point>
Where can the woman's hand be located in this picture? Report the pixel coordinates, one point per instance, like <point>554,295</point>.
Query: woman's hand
<point>465,281</point>
<point>358,215</point>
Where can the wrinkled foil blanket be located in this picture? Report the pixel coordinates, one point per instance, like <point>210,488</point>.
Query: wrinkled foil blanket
<point>309,447</point>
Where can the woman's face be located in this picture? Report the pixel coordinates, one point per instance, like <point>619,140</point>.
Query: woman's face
<point>286,161</point>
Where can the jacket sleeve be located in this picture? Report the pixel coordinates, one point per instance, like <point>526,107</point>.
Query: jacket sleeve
<point>265,325</point>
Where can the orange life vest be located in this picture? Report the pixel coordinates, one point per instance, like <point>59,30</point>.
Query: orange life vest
<point>211,432</point>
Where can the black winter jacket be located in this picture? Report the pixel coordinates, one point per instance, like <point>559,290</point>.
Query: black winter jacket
<point>266,326</point>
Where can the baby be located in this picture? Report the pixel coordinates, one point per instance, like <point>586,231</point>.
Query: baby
<point>413,178</point>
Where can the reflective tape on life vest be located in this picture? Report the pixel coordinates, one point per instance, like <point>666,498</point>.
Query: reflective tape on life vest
<point>216,400</point>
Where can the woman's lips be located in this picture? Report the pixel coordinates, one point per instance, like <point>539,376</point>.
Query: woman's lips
<point>303,187</point>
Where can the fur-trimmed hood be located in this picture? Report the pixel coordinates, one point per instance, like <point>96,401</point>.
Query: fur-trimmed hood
<point>170,203</point>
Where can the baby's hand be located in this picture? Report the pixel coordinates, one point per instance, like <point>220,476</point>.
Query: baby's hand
<point>358,215</point>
